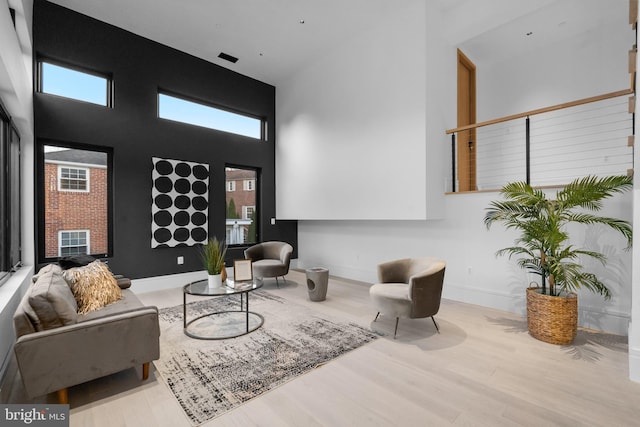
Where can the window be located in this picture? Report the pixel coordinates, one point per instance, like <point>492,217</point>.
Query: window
<point>248,184</point>
<point>73,243</point>
<point>248,211</point>
<point>73,179</point>
<point>181,110</point>
<point>242,212</point>
<point>78,85</point>
<point>231,186</point>
<point>75,201</point>
<point>10,194</point>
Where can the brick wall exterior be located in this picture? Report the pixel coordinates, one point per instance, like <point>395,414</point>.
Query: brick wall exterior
<point>240,196</point>
<point>71,210</point>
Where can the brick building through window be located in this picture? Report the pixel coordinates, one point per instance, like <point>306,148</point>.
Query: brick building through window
<point>76,209</point>
<point>241,205</point>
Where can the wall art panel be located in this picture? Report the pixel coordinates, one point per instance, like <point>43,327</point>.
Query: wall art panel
<point>180,203</point>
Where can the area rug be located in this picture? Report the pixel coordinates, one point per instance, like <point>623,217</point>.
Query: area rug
<point>209,378</point>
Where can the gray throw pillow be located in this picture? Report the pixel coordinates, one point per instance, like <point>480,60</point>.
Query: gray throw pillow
<point>52,300</point>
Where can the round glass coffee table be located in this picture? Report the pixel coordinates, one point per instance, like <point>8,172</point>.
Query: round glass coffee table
<point>222,324</point>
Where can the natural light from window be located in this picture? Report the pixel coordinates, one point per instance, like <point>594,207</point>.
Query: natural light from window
<point>73,84</point>
<point>180,110</point>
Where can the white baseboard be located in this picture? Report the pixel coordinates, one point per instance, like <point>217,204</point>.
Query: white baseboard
<point>588,316</point>
<point>634,364</point>
<point>149,284</point>
<point>634,355</point>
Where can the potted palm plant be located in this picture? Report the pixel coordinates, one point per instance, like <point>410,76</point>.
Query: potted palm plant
<point>213,253</point>
<point>543,247</point>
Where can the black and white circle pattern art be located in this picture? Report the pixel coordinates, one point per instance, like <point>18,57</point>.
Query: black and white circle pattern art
<point>180,203</point>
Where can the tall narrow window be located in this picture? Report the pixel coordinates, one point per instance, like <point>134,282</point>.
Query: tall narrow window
<point>78,85</point>
<point>194,113</point>
<point>76,198</point>
<point>249,184</point>
<point>242,206</point>
<point>10,213</point>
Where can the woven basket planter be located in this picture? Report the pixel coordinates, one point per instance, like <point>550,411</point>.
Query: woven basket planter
<point>552,319</point>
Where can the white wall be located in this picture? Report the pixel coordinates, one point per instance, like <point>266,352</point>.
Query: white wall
<point>634,326</point>
<point>545,71</point>
<point>16,95</point>
<point>353,249</point>
<point>351,132</point>
<point>342,238</point>
<point>589,64</point>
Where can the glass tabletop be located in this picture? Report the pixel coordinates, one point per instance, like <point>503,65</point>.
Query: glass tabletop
<point>229,287</point>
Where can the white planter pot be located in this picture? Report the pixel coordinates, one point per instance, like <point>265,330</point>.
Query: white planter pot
<point>215,280</point>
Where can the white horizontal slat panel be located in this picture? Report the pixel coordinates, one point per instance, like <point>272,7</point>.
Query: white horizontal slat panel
<point>565,144</point>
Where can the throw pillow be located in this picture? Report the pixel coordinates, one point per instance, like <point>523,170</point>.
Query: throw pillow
<point>52,303</point>
<point>75,261</point>
<point>93,286</point>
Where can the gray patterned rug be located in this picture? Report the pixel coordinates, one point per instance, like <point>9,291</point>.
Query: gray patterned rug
<point>209,378</point>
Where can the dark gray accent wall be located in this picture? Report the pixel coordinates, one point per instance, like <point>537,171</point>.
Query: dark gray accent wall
<point>132,129</point>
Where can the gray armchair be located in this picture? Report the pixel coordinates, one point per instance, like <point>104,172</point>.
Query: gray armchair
<point>270,259</point>
<point>409,288</point>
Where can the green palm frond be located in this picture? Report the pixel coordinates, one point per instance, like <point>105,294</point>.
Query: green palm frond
<point>588,192</point>
<point>619,225</point>
<point>542,246</point>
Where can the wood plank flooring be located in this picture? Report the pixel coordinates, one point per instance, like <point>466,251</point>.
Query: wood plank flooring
<point>483,369</point>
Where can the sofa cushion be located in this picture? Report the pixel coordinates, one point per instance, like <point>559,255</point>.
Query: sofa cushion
<point>93,286</point>
<point>51,300</point>
<point>129,302</point>
<point>75,261</point>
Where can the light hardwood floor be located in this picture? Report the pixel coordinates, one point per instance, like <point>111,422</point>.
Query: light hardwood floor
<point>483,369</point>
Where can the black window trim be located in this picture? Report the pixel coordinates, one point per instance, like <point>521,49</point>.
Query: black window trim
<point>7,130</point>
<point>108,76</point>
<point>206,103</point>
<point>258,205</point>
<point>40,207</point>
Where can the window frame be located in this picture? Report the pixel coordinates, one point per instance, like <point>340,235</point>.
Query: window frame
<point>249,184</point>
<point>87,240</point>
<point>41,257</point>
<point>87,179</point>
<point>256,206</point>
<point>214,106</point>
<point>231,186</point>
<point>107,76</point>
<point>10,196</point>
<point>245,211</point>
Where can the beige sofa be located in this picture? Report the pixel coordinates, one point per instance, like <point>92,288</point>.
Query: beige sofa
<point>57,348</point>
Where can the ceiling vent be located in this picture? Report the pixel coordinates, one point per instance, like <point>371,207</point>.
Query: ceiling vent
<point>228,57</point>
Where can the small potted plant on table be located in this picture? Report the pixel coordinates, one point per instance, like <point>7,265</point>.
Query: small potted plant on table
<point>213,253</point>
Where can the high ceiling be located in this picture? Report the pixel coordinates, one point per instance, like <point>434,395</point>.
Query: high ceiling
<point>271,38</point>
<point>274,38</point>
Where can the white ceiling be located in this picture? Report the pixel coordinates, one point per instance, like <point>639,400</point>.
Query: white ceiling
<point>266,35</point>
<point>271,42</point>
